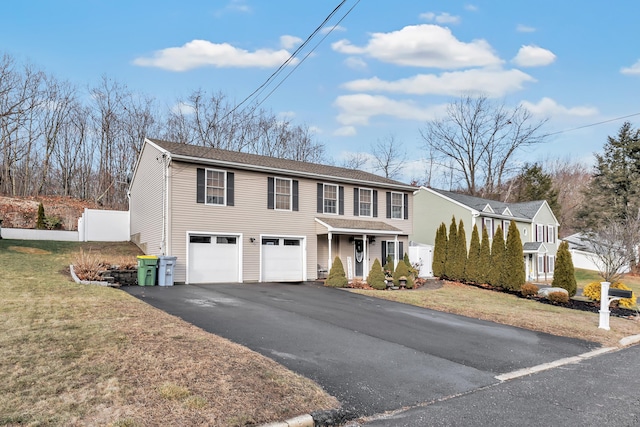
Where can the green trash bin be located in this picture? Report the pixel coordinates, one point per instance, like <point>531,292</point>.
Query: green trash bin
<point>147,265</point>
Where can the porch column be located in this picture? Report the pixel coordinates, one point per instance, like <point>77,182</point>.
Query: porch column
<point>397,249</point>
<point>365,261</point>
<point>329,236</point>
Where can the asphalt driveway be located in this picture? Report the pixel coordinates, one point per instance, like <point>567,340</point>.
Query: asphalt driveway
<point>373,355</point>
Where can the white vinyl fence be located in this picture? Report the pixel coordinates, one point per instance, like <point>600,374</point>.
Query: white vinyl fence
<point>94,226</point>
<point>422,255</point>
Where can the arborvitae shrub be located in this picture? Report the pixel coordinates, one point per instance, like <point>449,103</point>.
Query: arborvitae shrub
<point>558,297</point>
<point>564,273</point>
<point>440,251</point>
<point>450,267</point>
<point>402,270</point>
<point>337,278</point>
<point>40,224</point>
<point>529,290</point>
<point>461,253</point>
<point>513,271</point>
<point>375,279</point>
<point>485,258</point>
<point>497,258</point>
<point>471,271</point>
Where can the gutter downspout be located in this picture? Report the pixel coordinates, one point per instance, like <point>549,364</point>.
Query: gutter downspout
<point>166,160</point>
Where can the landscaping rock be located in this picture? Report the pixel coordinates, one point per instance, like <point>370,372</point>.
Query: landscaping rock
<point>544,292</point>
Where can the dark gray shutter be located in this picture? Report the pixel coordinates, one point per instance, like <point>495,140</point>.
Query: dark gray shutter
<point>270,191</point>
<point>400,252</point>
<point>200,185</point>
<point>320,198</point>
<point>356,202</point>
<point>375,203</point>
<point>384,252</point>
<point>341,200</point>
<point>294,184</point>
<point>388,204</point>
<point>230,188</point>
<point>406,206</point>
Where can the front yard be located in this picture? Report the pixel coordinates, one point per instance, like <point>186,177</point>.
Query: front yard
<point>87,355</point>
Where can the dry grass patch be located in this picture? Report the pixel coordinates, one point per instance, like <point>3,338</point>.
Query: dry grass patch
<point>77,355</point>
<point>510,310</point>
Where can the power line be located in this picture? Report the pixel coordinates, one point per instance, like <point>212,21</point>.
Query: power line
<point>592,124</point>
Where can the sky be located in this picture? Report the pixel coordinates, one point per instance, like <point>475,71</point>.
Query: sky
<point>375,70</point>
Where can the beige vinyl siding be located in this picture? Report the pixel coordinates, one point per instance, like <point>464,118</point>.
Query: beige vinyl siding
<point>146,202</point>
<point>430,210</point>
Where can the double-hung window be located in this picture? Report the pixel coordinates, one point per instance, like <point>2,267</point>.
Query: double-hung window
<point>505,228</point>
<point>283,194</point>
<point>488,225</point>
<point>397,205</point>
<point>539,233</point>
<point>551,234</point>
<point>365,202</point>
<point>215,187</point>
<point>330,199</point>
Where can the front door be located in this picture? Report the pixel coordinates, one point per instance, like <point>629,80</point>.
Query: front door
<point>359,256</point>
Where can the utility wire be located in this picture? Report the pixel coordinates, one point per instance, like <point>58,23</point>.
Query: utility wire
<point>592,124</point>
<point>292,57</point>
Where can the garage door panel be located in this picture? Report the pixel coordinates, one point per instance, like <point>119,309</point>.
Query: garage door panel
<point>282,260</point>
<point>214,259</point>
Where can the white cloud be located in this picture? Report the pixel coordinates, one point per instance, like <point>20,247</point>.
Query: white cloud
<point>183,108</point>
<point>423,46</point>
<point>345,131</point>
<point>330,28</point>
<point>492,82</point>
<point>548,107</point>
<point>286,114</point>
<point>315,130</point>
<point>359,108</point>
<point>234,6</point>
<point>289,42</point>
<point>534,56</point>
<point>633,70</point>
<point>471,7</point>
<point>442,18</point>
<point>525,29</point>
<point>200,53</point>
<point>355,63</point>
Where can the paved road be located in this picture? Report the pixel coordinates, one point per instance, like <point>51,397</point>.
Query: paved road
<point>373,355</point>
<point>602,391</point>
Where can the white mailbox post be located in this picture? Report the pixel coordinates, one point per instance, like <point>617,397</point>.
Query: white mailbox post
<point>607,295</point>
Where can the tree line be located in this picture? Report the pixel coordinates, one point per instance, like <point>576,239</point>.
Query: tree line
<point>59,139</point>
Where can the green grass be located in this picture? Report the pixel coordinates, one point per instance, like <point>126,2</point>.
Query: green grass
<point>584,277</point>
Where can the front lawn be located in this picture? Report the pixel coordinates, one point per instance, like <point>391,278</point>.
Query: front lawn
<point>508,309</point>
<point>87,355</point>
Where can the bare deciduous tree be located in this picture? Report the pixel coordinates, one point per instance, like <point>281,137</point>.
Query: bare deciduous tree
<point>480,138</point>
<point>388,156</point>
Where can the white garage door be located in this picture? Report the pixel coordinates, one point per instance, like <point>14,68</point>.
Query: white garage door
<point>282,259</point>
<point>214,259</point>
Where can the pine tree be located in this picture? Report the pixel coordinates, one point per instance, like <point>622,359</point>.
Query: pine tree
<point>485,258</point>
<point>564,274</point>
<point>450,267</point>
<point>513,272</point>
<point>473,261</point>
<point>337,278</point>
<point>461,252</point>
<point>533,184</point>
<point>497,258</point>
<point>40,225</point>
<point>375,279</point>
<point>440,251</point>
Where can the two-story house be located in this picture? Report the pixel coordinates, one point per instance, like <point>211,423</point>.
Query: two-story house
<point>536,223</point>
<point>238,217</point>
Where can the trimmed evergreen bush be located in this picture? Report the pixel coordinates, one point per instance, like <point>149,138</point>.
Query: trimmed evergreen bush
<point>529,290</point>
<point>375,279</point>
<point>485,258</point>
<point>389,265</point>
<point>564,273</point>
<point>558,297</point>
<point>450,267</point>
<point>593,289</point>
<point>440,251</point>
<point>461,253</point>
<point>513,272</point>
<point>471,272</point>
<point>337,278</point>
<point>40,224</point>
<point>497,258</point>
<point>403,270</point>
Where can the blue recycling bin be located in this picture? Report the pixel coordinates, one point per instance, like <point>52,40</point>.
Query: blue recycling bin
<point>166,266</point>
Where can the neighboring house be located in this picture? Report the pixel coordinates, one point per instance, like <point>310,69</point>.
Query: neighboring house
<point>237,217</point>
<point>583,256</point>
<point>536,223</point>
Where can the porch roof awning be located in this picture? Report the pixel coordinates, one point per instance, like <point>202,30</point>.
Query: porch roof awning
<point>534,248</point>
<point>358,226</point>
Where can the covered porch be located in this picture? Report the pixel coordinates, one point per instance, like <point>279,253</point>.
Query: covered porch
<point>535,254</point>
<point>357,243</point>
